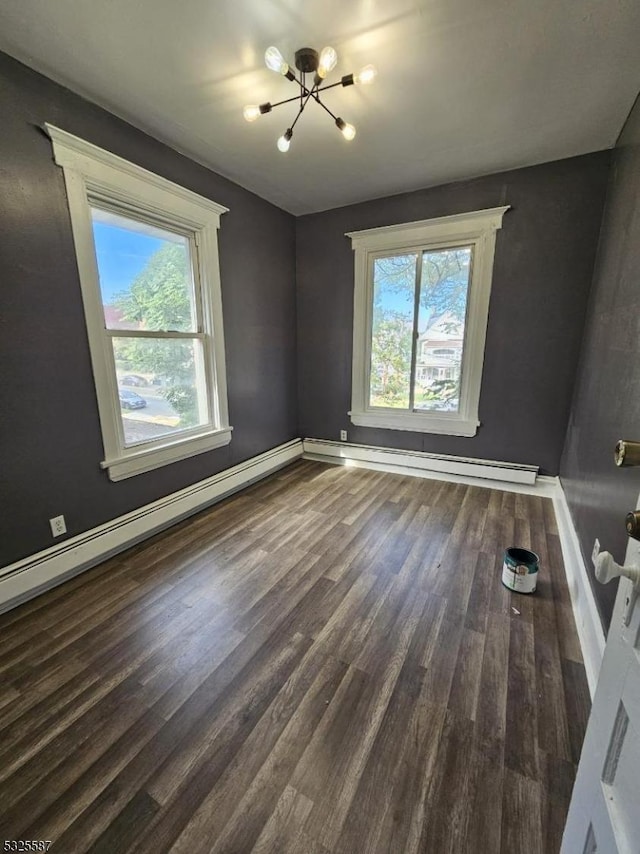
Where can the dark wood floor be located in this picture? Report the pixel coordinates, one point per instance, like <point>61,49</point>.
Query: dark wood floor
<point>326,662</point>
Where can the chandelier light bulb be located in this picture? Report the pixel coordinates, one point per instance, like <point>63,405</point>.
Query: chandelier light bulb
<point>327,62</point>
<point>251,112</point>
<point>348,131</point>
<point>365,75</point>
<point>285,141</point>
<point>275,61</point>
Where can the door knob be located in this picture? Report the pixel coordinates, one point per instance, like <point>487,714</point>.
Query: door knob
<point>627,453</point>
<point>607,569</point>
<point>632,524</point>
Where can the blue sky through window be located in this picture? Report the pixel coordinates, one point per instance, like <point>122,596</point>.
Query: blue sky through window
<point>122,254</point>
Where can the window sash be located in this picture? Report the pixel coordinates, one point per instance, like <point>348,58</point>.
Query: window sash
<point>166,223</point>
<point>204,398</point>
<point>419,252</point>
<point>205,391</point>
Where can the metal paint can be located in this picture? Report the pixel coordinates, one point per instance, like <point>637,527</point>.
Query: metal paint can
<point>520,570</point>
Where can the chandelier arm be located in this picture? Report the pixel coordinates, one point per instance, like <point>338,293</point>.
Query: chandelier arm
<point>330,86</point>
<point>303,87</point>
<point>301,110</point>
<point>293,124</point>
<point>286,101</point>
<point>324,107</point>
<point>295,98</point>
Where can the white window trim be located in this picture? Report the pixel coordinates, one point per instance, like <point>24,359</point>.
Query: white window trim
<point>92,173</point>
<point>477,229</point>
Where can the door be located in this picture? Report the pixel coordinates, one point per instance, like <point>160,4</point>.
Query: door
<point>604,814</point>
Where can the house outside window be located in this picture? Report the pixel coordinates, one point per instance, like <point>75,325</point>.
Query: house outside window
<point>148,263</point>
<point>421,301</point>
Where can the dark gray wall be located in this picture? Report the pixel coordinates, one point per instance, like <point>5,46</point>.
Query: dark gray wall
<point>543,268</point>
<point>606,404</point>
<point>50,441</point>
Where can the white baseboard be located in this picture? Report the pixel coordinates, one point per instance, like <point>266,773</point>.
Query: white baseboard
<point>28,577</point>
<point>585,610</point>
<point>429,464</point>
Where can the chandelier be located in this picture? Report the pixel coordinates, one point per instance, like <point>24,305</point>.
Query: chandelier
<point>308,61</point>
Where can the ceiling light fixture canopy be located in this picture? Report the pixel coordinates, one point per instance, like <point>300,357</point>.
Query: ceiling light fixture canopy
<point>308,61</point>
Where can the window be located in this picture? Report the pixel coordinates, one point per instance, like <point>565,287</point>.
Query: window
<point>421,303</point>
<point>148,262</point>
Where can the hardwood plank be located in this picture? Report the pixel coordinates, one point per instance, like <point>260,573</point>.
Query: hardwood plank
<point>486,758</point>
<point>491,709</point>
<point>465,686</point>
<point>484,796</point>
<point>480,592</point>
<point>522,510</point>
<point>552,718</point>
<point>521,738</point>
<point>447,811</point>
<point>578,703</point>
<point>558,777</point>
<point>440,662</point>
<point>521,815</point>
<point>425,637</point>
<point>283,832</point>
<point>128,826</point>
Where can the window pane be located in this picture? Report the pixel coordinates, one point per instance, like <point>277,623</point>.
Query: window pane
<point>160,385</point>
<point>394,282</point>
<point>145,275</point>
<point>444,286</point>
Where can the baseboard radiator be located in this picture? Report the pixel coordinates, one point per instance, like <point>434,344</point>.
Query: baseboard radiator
<point>34,574</point>
<point>343,452</point>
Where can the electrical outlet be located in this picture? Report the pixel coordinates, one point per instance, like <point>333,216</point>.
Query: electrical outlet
<point>343,435</point>
<point>595,552</point>
<point>58,526</point>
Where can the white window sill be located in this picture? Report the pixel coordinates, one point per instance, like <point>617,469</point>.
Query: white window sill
<point>136,460</point>
<point>417,422</point>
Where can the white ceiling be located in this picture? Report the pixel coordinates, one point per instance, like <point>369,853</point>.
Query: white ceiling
<point>464,88</point>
